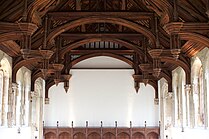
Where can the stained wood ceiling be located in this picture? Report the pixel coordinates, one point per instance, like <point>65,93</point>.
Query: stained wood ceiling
<point>154,37</point>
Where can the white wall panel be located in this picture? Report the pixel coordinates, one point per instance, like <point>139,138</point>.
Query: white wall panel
<point>106,95</point>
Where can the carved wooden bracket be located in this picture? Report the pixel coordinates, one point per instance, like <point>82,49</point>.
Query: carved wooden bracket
<point>177,27</point>
<point>21,28</point>
<point>155,54</point>
<point>66,78</point>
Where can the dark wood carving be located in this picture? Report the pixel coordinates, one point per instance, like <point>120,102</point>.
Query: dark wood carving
<point>101,133</point>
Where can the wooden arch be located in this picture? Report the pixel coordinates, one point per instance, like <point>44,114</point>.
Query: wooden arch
<point>153,83</point>
<point>33,79</point>
<point>165,12</point>
<point>169,80</point>
<point>50,83</point>
<point>33,7</point>
<point>180,63</point>
<point>194,37</point>
<point>85,41</point>
<point>10,36</point>
<point>99,19</point>
<point>126,60</point>
<point>22,63</point>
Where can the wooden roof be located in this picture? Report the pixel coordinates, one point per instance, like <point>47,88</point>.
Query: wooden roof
<point>154,37</point>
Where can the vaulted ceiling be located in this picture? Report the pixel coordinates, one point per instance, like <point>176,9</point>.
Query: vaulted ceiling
<point>50,36</point>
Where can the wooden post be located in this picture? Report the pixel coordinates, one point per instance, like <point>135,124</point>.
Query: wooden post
<point>86,135</point>
<point>116,129</point>
<point>72,130</point>
<point>130,130</point>
<point>57,134</point>
<point>101,133</point>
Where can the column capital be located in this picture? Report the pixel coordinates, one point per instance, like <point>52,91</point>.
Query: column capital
<point>34,94</point>
<point>46,100</point>
<point>14,85</point>
<point>187,87</point>
<point>169,95</point>
<point>156,101</point>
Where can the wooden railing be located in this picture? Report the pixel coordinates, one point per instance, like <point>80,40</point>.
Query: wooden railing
<point>101,132</point>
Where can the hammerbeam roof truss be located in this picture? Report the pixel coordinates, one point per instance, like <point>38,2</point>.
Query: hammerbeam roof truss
<point>153,37</point>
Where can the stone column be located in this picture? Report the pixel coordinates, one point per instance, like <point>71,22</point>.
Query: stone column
<point>173,109</point>
<point>38,123</point>
<point>169,108</point>
<point>206,93</point>
<point>15,91</point>
<point>41,117</point>
<point>10,105</point>
<point>22,106</point>
<point>191,113</point>
<point>5,101</point>
<point>30,108</point>
<point>33,112</point>
<point>181,109</point>
<point>162,115</point>
<point>187,89</point>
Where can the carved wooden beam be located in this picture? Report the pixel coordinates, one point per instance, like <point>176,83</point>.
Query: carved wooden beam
<point>27,28</point>
<point>85,41</point>
<point>176,27</point>
<point>10,47</point>
<point>101,35</point>
<point>77,15</point>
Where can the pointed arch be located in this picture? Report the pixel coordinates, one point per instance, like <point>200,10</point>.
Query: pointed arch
<point>99,19</point>
<point>126,60</point>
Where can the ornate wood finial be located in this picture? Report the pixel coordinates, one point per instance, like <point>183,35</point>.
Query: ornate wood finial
<point>57,123</point>
<point>136,86</point>
<point>86,123</point>
<point>72,124</point>
<point>101,124</point>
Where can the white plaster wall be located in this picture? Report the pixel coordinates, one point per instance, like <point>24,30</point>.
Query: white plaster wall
<point>106,95</point>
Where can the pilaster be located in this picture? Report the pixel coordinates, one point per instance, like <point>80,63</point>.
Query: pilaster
<point>15,93</point>
<point>10,113</point>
